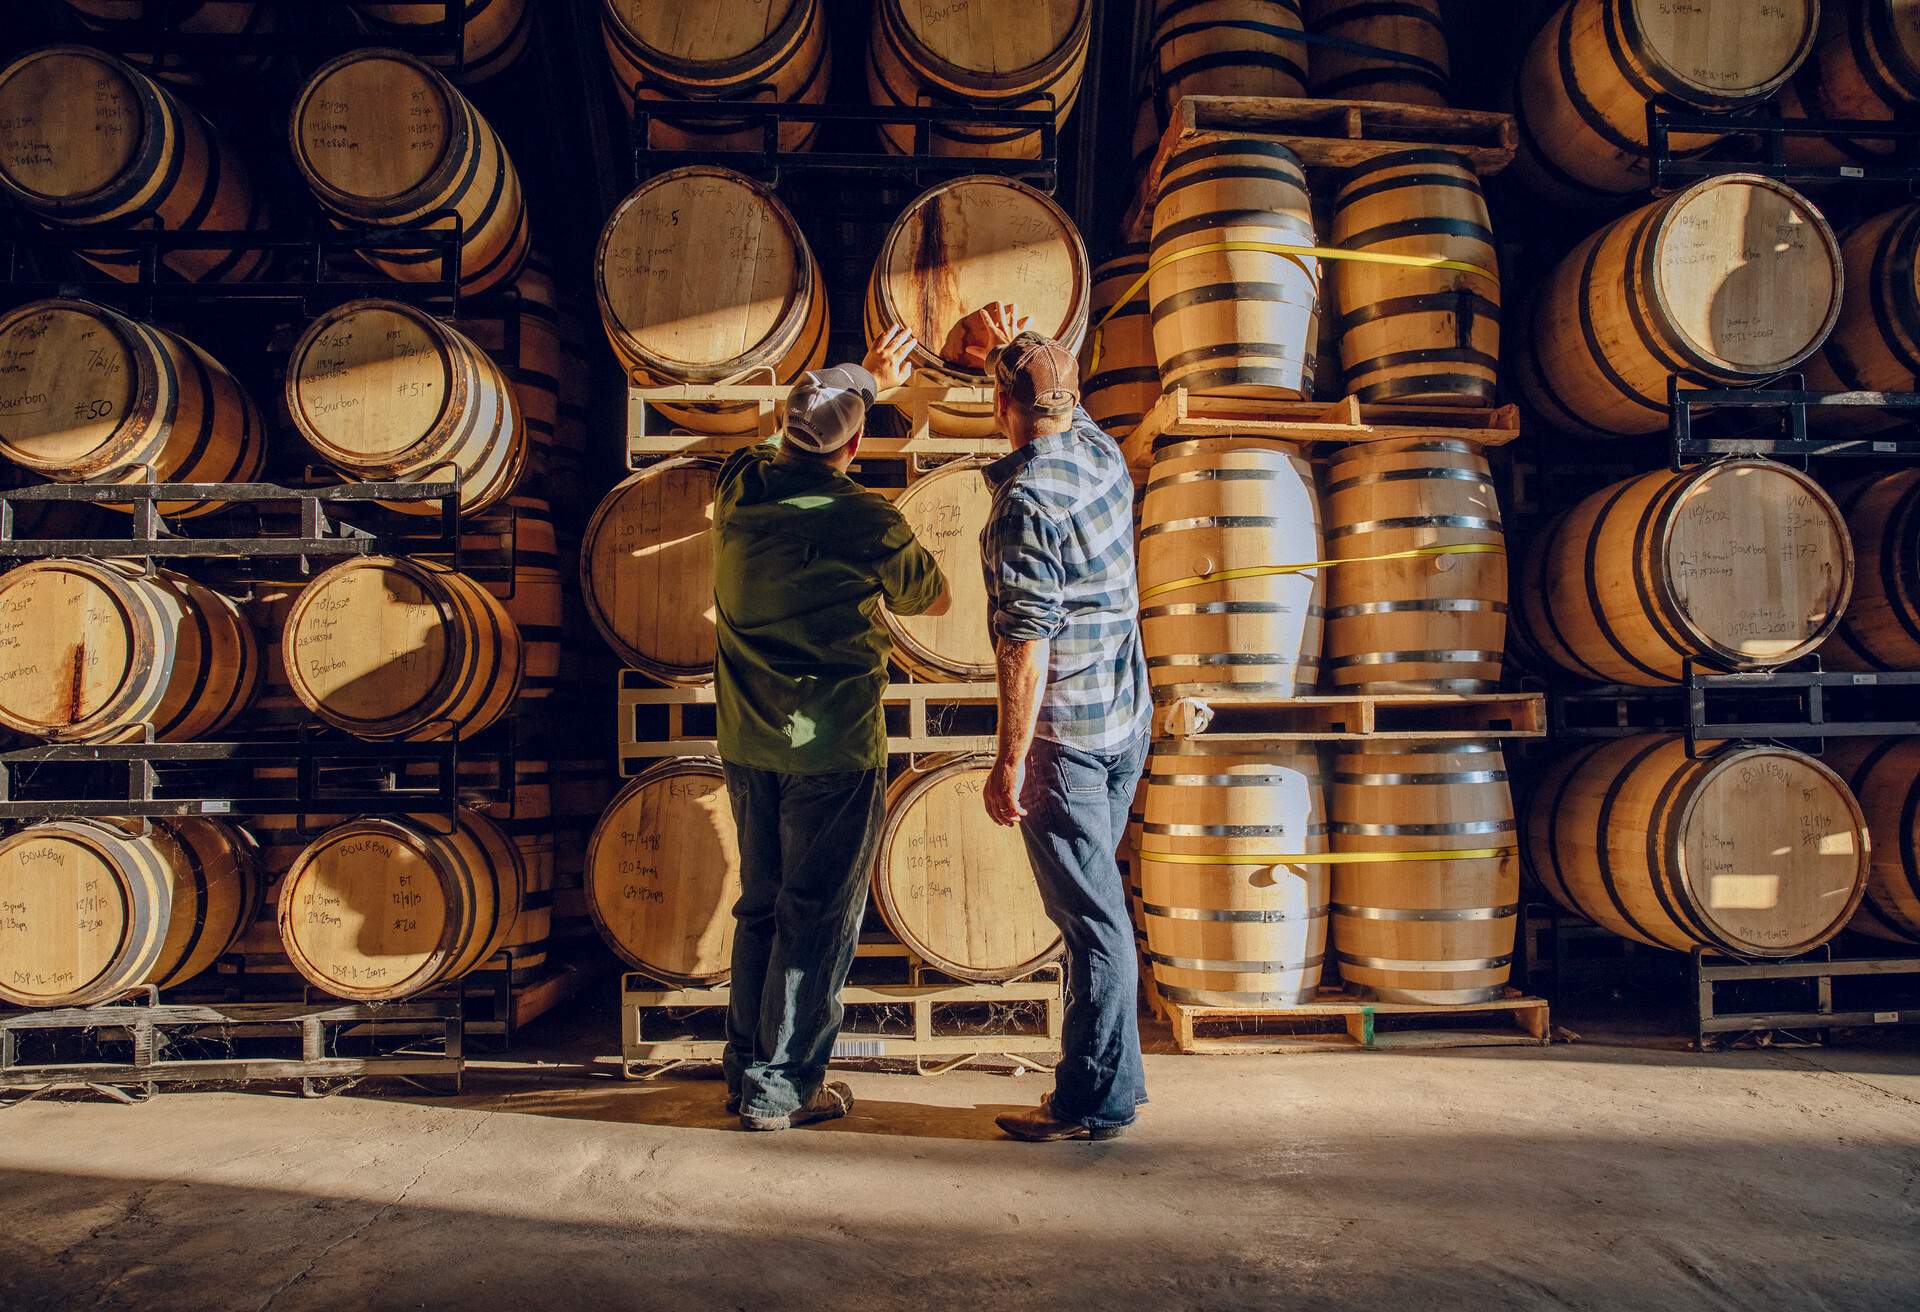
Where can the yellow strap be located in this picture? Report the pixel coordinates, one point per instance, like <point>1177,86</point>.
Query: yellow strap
<point>1319,858</point>
<point>1268,571</point>
<point>1286,252</point>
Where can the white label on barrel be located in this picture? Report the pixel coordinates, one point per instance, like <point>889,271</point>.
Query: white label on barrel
<point>1886,1018</point>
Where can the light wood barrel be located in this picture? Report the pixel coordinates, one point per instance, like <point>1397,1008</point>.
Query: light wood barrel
<point>1884,774</point>
<point>494,35</point>
<point>954,886</point>
<point>1751,852</point>
<point>995,54</point>
<point>756,314</point>
<point>384,647</point>
<point>1214,508</point>
<point>386,391</point>
<point>87,141</point>
<point>1124,383</point>
<point>1741,565</point>
<point>961,245</point>
<point>646,570</point>
<point>1234,322</point>
<point>1421,336</point>
<point>87,395</point>
<point>523,808</point>
<point>125,18</point>
<point>691,50</point>
<point>1227,48</point>
<point>520,332</point>
<point>1404,622</point>
<point>1231,921</point>
<point>217,892</point>
<point>84,909</point>
<point>378,909</point>
<point>1726,284</point>
<point>948,510</point>
<point>365,167</point>
<point>1411,29</point>
<point>663,874</point>
<point>1875,345</point>
<point>1865,65</point>
<point>96,651</point>
<point>535,593</point>
<point>1586,82</point>
<point>1881,628</point>
<point>1425,928</point>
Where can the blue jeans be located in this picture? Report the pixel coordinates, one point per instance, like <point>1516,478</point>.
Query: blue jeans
<point>806,853</point>
<point>1076,806</point>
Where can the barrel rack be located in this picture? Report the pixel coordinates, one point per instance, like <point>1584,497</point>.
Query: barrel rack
<point>301,29</point>
<point>1759,145</point>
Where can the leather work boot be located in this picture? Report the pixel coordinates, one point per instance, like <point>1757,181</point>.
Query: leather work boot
<point>1041,1126</point>
<point>829,1103</point>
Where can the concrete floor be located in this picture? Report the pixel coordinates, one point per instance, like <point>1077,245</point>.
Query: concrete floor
<point>1593,1176</point>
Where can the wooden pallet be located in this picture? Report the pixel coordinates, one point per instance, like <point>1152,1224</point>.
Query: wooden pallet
<point>1325,134</point>
<point>649,437</point>
<point>1232,719</point>
<point>1180,413</point>
<point>1337,1021</point>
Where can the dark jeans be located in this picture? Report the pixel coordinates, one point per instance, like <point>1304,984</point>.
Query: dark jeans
<point>1076,816</point>
<point>806,853</point>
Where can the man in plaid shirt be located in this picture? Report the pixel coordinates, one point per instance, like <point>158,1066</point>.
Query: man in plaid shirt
<point>1074,704</point>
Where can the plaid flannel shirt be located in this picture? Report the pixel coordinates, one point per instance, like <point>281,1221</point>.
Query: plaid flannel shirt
<point>1058,553</point>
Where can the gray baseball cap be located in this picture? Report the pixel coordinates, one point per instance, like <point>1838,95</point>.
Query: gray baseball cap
<point>828,407</point>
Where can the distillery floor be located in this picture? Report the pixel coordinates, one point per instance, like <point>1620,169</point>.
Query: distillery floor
<point>1619,1172</point>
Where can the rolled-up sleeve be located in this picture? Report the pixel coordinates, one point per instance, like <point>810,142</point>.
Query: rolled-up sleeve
<point>1026,585</point>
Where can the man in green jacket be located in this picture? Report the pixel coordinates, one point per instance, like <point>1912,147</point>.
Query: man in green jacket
<point>803,559</point>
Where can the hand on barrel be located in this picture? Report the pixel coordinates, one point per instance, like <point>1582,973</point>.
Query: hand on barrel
<point>988,328</point>
<point>1005,782</point>
<point>887,358</point>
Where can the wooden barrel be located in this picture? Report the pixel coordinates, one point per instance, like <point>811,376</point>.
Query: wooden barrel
<point>84,909</point>
<point>1875,344</point>
<point>1419,336</point>
<point>1726,284</point>
<point>961,245</point>
<point>217,892</point>
<point>377,909</point>
<point>384,647</point>
<point>1753,851</point>
<point>383,390</point>
<point>1740,565</point>
<point>991,54</point>
<point>364,168</point>
<point>97,651</point>
<point>1408,63</point>
<point>663,874</point>
<point>1585,84</point>
<point>1234,322</point>
<point>954,886</point>
<point>1884,774</point>
<point>1881,627</point>
<point>948,510</point>
<point>1119,377</point>
<point>87,141</point>
<point>533,588</point>
<point>520,332</point>
<point>124,19</point>
<point>582,787</point>
<point>1865,66</point>
<point>87,395</point>
<point>690,50</point>
<point>1227,48</point>
<point>523,808</point>
<point>1147,129</point>
<point>494,33</point>
<point>756,314</point>
<point>1231,919</point>
<point>1224,522</point>
<point>1426,927</point>
<point>1419,600</point>
<point>646,570</point>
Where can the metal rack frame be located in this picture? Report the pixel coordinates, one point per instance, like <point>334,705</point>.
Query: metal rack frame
<point>294,33</point>
<point>1714,706</point>
<point>1769,137</point>
<point>1713,1026</point>
<point>1792,412</point>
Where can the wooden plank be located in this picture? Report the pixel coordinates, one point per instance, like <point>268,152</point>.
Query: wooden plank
<point>1363,1025</point>
<point>648,437</point>
<point>1183,414</point>
<point>1222,719</point>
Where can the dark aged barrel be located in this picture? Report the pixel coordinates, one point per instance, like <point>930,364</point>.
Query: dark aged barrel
<point>87,141</point>
<point>1412,30</point>
<point>1234,322</point>
<point>1741,565</point>
<point>1227,48</point>
<point>1865,65</point>
<point>382,139</point>
<point>1884,773</point>
<point>1589,76</point>
<point>87,395</point>
<point>694,50</point>
<point>123,19</point>
<point>1119,379</point>
<point>1752,851</point>
<point>1875,345</point>
<point>646,570</point>
<point>494,33</point>
<point>1726,284</point>
<point>520,331</point>
<point>1421,336</point>
<point>1881,628</point>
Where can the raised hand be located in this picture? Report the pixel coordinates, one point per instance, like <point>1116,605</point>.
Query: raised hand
<point>984,331</point>
<point>887,359</point>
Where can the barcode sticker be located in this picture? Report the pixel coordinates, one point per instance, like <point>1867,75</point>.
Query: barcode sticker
<point>1886,1018</point>
<point>216,808</point>
<point>1864,678</point>
<point>859,1047</point>
<point>1850,171</point>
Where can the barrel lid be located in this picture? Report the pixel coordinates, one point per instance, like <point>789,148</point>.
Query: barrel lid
<point>947,511</point>
<point>1710,51</point>
<point>69,377</point>
<point>663,873</point>
<point>72,121</point>
<point>695,35</point>
<point>646,561</point>
<point>363,908</point>
<point>988,37</point>
<point>69,645</point>
<point>370,641</point>
<point>63,913</point>
<point>374,125</point>
<point>370,380</point>
<point>1748,272</point>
